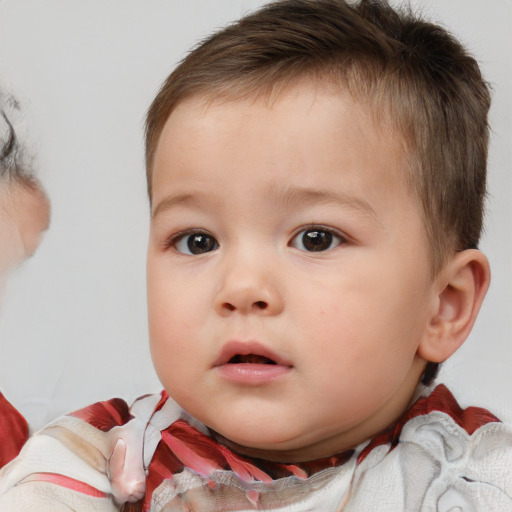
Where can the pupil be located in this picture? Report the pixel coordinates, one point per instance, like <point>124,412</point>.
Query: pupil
<point>200,243</point>
<point>317,240</point>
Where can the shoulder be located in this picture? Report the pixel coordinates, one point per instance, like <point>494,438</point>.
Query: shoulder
<point>69,461</point>
<point>441,453</point>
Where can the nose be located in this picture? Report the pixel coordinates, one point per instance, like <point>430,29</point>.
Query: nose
<point>248,287</point>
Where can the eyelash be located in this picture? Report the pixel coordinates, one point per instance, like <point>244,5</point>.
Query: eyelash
<point>323,244</point>
<point>333,235</point>
<point>182,236</point>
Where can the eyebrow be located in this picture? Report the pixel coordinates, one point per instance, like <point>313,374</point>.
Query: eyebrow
<point>185,199</point>
<point>289,197</point>
<point>296,196</point>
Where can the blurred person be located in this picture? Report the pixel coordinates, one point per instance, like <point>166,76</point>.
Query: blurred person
<point>24,216</point>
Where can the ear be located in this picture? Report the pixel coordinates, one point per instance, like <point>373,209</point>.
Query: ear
<point>460,289</point>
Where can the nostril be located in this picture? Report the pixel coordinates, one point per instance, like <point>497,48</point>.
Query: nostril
<point>259,305</point>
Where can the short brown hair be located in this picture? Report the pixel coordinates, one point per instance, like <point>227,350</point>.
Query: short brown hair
<point>408,71</point>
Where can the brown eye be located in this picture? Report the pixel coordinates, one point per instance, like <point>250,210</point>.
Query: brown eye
<point>316,240</point>
<point>196,243</point>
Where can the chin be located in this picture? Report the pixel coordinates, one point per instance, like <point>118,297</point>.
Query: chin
<point>260,438</point>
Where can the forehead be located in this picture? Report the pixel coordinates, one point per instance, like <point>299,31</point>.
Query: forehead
<point>304,128</point>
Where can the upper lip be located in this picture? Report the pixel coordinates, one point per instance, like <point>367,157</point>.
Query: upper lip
<point>245,348</point>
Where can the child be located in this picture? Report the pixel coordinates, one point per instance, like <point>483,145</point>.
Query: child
<point>24,213</point>
<point>316,174</point>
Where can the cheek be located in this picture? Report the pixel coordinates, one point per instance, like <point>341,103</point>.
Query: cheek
<point>170,348</point>
<point>175,319</point>
<point>169,296</point>
<point>362,319</point>
<point>169,319</point>
<point>33,217</point>
<point>11,244</point>
<point>165,316</point>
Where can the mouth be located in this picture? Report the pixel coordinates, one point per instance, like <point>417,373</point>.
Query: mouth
<point>249,352</point>
<point>250,359</point>
<point>251,364</point>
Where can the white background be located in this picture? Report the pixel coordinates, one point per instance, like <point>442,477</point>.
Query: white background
<point>73,323</point>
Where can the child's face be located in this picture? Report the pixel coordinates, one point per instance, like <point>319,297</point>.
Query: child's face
<point>289,278</point>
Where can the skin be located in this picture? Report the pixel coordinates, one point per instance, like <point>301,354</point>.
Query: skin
<point>24,216</point>
<point>350,325</point>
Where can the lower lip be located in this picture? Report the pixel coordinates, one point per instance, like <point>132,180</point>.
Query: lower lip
<point>250,374</point>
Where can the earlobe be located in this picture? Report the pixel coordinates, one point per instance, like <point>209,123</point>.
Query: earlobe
<point>461,287</point>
